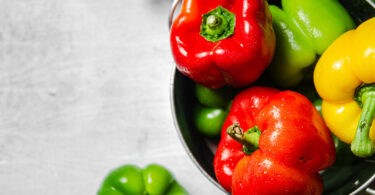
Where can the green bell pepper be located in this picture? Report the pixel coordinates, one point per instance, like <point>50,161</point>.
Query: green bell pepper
<point>131,180</point>
<point>304,29</point>
<point>212,109</point>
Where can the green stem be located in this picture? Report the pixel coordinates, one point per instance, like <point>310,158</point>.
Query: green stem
<point>217,24</point>
<point>250,139</point>
<point>213,21</point>
<point>362,146</point>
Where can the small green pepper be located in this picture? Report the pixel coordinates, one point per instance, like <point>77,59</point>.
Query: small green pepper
<point>209,121</point>
<point>131,180</point>
<point>214,98</point>
<point>210,113</point>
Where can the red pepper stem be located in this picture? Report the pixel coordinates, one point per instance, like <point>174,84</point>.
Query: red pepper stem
<point>362,146</point>
<point>250,139</point>
<point>217,24</point>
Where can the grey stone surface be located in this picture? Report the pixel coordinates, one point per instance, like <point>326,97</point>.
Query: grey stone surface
<point>84,88</point>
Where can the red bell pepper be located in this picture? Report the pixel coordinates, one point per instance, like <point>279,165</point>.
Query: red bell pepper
<point>223,42</point>
<point>284,144</point>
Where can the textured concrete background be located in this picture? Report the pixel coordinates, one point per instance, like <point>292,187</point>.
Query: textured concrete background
<point>84,88</point>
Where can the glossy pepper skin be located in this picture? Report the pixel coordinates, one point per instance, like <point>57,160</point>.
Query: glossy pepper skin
<point>304,29</point>
<point>344,77</point>
<point>237,60</point>
<point>293,146</point>
<point>132,180</point>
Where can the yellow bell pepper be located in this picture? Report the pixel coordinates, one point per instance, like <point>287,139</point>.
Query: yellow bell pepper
<point>345,78</point>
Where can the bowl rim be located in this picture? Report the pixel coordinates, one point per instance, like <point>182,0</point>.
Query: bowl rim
<point>173,109</point>
<point>180,136</point>
<point>364,186</point>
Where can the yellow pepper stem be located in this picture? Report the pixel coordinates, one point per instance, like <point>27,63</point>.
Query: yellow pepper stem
<point>362,146</point>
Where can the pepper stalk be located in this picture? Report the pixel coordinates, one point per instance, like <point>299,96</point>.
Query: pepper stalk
<point>362,145</point>
<point>218,24</point>
<point>249,140</point>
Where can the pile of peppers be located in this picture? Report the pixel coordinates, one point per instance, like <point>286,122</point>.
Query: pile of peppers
<point>272,141</point>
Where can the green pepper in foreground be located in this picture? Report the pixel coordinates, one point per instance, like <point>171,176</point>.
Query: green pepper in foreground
<point>304,30</point>
<point>132,180</point>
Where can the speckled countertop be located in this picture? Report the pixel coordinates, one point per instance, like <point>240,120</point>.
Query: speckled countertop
<point>84,88</point>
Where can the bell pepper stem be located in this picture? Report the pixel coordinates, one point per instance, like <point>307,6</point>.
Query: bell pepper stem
<point>217,24</point>
<point>250,139</point>
<point>362,146</point>
<point>213,21</point>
